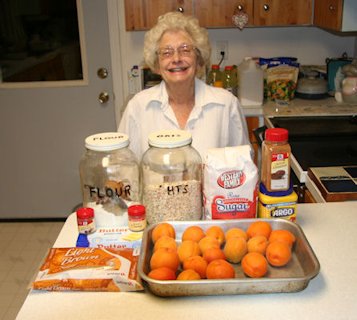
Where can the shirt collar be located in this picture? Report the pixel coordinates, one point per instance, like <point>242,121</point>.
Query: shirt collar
<point>203,95</point>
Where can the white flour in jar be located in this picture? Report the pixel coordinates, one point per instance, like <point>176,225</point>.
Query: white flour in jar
<point>179,200</point>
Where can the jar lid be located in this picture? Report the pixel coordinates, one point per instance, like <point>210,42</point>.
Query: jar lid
<point>136,210</point>
<point>85,213</point>
<point>170,138</point>
<point>107,141</point>
<point>276,134</point>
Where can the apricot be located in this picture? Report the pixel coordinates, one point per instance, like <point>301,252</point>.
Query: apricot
<point>194,233</point>
<point>254,265</point>
<point>234,249</point>
<point>278,253</point>
<point>196,263</point>
<point>216,232</point>
<point>208,242</point>
<point>236,232</point>
<point>163,229</point>
<point>165,242</point>
<point>188,248</point>
<point>211,254</point>
<point>220,269</point>
<point>257,244</point>
<point>162,273</point>
<point>165,257</point>
<point>188,274</point>
<point>282,235</point>
<point>259,228</point>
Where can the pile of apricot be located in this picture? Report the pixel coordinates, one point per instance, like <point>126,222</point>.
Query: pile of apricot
<point>211,253</point>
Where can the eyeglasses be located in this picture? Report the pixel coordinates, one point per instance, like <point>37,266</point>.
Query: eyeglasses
<point>184,50</point>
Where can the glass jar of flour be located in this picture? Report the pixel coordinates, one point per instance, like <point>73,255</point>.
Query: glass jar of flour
<point>171,177</point>
<point>109,173</point>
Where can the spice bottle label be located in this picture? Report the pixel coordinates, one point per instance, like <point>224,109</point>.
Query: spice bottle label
<point>279,171</point>
<point>86,226</point>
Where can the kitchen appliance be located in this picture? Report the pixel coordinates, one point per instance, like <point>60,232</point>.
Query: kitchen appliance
<point>334,66</point>
<point>319,141</point>
<point>310,86</point>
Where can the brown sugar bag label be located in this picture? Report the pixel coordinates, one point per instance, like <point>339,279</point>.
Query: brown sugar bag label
<point>230,183</point>
<point>89,269</point>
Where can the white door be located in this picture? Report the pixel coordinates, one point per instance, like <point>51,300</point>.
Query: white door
<point>43,127</point>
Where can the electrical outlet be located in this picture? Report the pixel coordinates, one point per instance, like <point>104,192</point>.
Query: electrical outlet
<point>221,46</point>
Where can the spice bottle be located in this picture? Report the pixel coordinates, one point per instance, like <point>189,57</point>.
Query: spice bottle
<point>275,168</point>
<point>215,76</point>
<point>230,80</point>
<point>109,173</point>
<point>171,177</point>
<point>137,217</point>
<point>85,220</point>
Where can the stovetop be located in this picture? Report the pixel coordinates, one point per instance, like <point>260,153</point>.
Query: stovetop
<point>320,141</point>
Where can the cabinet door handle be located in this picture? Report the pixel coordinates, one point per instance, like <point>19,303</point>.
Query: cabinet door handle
<point>181,9</point>
<point>266,7</point>
<point>240,7</point>
<point>332,8</point>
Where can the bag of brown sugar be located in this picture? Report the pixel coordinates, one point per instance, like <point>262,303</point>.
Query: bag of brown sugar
<point>89,269</point>
<point>230,186</point>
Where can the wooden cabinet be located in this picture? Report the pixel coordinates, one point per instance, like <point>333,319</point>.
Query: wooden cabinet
<point>143,14</point>
<point>218,13</point>
<point>282,12</point>
<point>337,15</point>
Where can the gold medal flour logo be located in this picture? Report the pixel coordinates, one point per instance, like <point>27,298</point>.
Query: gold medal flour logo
<point>231,179</point>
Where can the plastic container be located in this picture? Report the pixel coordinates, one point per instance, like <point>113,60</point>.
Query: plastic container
<point>277,204</point>
<point>275,167</point>
<point>250,83</point>
<point>230,80</point>
<point>109,173</point>
<point>171,177</point>
<point>137,218</point>
<point>85,220</point>
<point>215,76</point>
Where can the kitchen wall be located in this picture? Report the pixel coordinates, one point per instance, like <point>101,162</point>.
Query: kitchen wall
<point>309,44</point>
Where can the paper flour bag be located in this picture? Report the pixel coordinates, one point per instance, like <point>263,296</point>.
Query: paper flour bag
<point>230,185</point>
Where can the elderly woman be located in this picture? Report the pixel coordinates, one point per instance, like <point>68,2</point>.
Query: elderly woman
<point>178,49</point>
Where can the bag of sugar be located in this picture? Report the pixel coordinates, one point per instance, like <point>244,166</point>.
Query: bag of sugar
<point>230,186</point>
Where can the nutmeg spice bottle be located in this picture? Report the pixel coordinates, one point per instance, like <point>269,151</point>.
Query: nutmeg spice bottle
<point>275,168</point>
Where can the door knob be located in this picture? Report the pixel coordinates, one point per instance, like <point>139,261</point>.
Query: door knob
<point>102,73</point>
<point>103,97</point>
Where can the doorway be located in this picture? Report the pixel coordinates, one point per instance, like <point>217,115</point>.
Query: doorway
<point>43,125</point>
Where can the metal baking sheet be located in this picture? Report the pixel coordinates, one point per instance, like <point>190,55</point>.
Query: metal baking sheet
<point>293,277</point>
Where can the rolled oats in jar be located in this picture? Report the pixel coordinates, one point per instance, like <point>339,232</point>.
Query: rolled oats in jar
<point>109,173</point>
<point>171,177</point>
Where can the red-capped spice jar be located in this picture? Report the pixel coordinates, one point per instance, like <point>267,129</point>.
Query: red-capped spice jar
<point>85,220</point>
<point>275,168</point>
<point>137,218</point>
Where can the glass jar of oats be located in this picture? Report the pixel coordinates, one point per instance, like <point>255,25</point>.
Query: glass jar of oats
<point>171,177</point>
<point>109,173</point>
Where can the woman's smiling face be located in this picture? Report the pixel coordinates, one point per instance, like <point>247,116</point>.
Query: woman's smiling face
<point>177,57</point>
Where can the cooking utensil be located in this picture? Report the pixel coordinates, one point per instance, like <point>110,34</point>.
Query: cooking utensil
<point>311,87</point>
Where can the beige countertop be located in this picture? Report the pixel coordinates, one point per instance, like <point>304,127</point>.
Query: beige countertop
<point>330,229</point>
<point>300,107</point>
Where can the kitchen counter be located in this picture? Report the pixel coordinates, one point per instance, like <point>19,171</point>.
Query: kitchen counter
<point>301,107</point>
<point>331,231</point>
